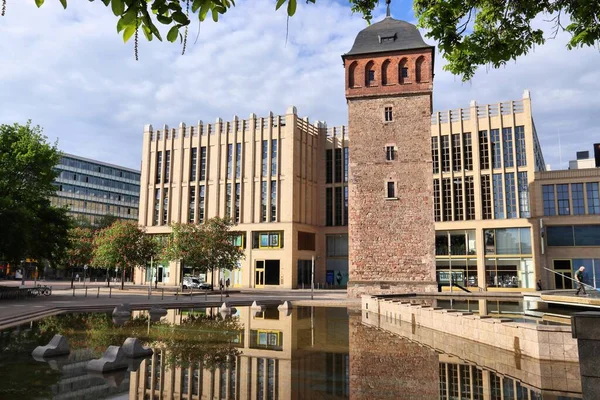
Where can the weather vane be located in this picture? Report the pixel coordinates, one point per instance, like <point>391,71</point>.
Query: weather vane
<point>387,13</point>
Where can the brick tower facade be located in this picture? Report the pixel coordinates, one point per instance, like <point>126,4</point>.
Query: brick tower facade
<point>389,83</point>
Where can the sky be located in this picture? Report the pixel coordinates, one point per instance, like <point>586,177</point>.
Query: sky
<point>70,72</point>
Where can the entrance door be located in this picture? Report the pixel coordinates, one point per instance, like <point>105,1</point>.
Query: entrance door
<point>259,274</point>
<point>562,281</point>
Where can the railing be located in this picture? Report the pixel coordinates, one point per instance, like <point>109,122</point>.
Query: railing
<point>568,277</point>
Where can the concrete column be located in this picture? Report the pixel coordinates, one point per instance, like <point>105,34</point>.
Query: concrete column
<point>586,329</point>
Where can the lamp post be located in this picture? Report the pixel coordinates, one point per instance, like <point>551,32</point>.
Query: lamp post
<point>312,278</point>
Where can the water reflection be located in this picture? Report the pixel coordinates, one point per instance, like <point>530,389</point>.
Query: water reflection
<point>310,353</point>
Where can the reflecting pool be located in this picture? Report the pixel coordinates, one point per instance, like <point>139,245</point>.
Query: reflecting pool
<point>303,353</point>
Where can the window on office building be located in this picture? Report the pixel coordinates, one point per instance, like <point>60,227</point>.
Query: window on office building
<point>238,160</point>
<point>470,197</point>
<point>346,163</point>
<point>548,198</point>
<point>338,165</point>
<point>562,195</point>
<point>192,205</point>
<point>496,148</point>
<point>265,155</point>
<point>329,166</point>
<point>229,161</point>
<point>203,163</point>
<point>511,197</point>
<point>273,201</point>
<point>437,211</point>
<point>201,199</point>
<point>520,141</point>
<point>458,200</point>
<point>498,196</point>
<point>193,163</point>
<point>156,220</point>
<point>158,167</point>
<point>523,186</point>
<point>339,204</point>
<point>237,202</point>
<point>468,151</point>
<point>508,147</point>
<point>456,160</point>
<point>165,218</point>
<point>263,201</point>
<point>445,153</point>
<point>577,195</point>
<point>228,201</point>
<point>435,155</point>
<point>329,206</point>
<point>167,165</point>
<point>486,197</point>
<point>593,198</point>
<point>447,199</point>
<point>345,205</point>
<point>274,157</point>
<point>484,153</point>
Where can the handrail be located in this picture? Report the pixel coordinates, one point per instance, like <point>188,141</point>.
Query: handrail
<point>574,280</point>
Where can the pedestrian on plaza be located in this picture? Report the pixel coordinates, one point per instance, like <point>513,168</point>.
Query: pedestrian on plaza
<point>76,278</point>
<point>227,282</point>
<point>221,284</point>
<point>579,277</point>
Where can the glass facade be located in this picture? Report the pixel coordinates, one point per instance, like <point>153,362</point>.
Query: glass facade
<point>484,151</point>
<point>273,201</point>
<point>577,195</point>
<point>520,142</point>
<point>562,196</point>
<point>445,153</point>
<point>593,198</point>
<point>511,200</point>
<point>329,166</point>
<point>496,148</point>
<point>346,163</point>
<point>274,157</point>
<point>548,198</point>
<point>456,156</point>
<point>435,155</point>
<point>238,160</point>
<point>498,196</point>
<point>508,258</point>
<point>468,151</point>
<point>523,186</point>
<point>456,251</point>
<point>573,235</point>
<point>508,147</point>
<point>265,159</point>
<point>203,163</point>
<point>338,165</point>
<point>193,163</point>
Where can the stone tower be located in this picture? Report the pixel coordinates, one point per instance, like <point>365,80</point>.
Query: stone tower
<point>389,83</point>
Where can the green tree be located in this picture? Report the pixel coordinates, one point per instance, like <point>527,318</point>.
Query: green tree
<point>30,226</point>
<point>123,245</point>
<point>470,32</point>
<point>105,221</point>
<point>80,249</point>
<point>204,247</point>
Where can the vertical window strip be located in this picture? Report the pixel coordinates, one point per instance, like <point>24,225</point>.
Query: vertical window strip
<point>159,167</point>
<point>520,141</point>
<point>263,201</point>
<point>437,211</point>
<point>265,154</point>
<point>156,206</point>
<point>456,156</point>
<point>593,198</point>
<point>273,201</point>
<point>338,165</point>
<point>228,201</point>
<point>167,165</point>
<point>498,196</point>
<point>562,195</point>
<point>329,166</point>
<point>338,206</point>
<point>165,218</point>
<point>468,151</point>
<point>238,160</point>
<point>508,147</point>
<point>237,201</point>
<point>435,155</point>
<point>203,163</point>
<point>193,163</point>
<point>470,197</point>
<point>523,185</point>
<point>274,157</point>
<point>345,205</point>
<point>192,204</point>
<point>201,201</point>
<point>447,197</point>
<point>484,152</point>
<point>486,197</point>
<point>511,199</point>
<point>496,148</point>
<point>445,153</point>
<point>346,163</point>
<point>329,206</point>
<point>548,199</point>
<point>229,161</point>
<point>577,195</point>
<point>458,200</point>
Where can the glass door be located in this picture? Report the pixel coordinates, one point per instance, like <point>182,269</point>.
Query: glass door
<point>562,281</point>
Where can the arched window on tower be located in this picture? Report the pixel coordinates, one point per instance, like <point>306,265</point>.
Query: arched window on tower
<point>403,71</point>
<point>385,69</point>
<point>420,72</point>
<point>370,74</point>
<point>352,75</point>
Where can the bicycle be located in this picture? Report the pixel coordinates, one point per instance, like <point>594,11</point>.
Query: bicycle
<point>45,290</point>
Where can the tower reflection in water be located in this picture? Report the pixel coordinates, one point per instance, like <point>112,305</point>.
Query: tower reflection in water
<point>330,353</point>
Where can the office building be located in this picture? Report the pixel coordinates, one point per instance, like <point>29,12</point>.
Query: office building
<point>92,189</point>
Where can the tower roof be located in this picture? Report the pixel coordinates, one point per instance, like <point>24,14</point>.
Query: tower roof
<point>387,35</point>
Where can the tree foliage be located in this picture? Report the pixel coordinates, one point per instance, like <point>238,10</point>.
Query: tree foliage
<point>204,247</point>
<point>30,226</point>
<point>123,245</point>
<point>470,33</point>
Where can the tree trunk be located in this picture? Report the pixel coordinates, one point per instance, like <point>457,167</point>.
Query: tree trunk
<point>107,277</point>
<point>72,277</point>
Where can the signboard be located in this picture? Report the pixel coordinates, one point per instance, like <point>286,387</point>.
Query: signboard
<point>458,276</point>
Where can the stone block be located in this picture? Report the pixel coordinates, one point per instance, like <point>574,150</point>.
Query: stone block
<point>112,359</point>
<point>132,347</point>
<point>58,346</point>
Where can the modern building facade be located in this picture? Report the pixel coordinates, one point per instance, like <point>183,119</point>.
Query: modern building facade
<point>269,176</point>
<point>92,189</point>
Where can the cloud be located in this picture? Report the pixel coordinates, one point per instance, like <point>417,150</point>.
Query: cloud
<point>70,72</point>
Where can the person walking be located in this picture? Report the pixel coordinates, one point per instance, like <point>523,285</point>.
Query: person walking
<point>579,277</point>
